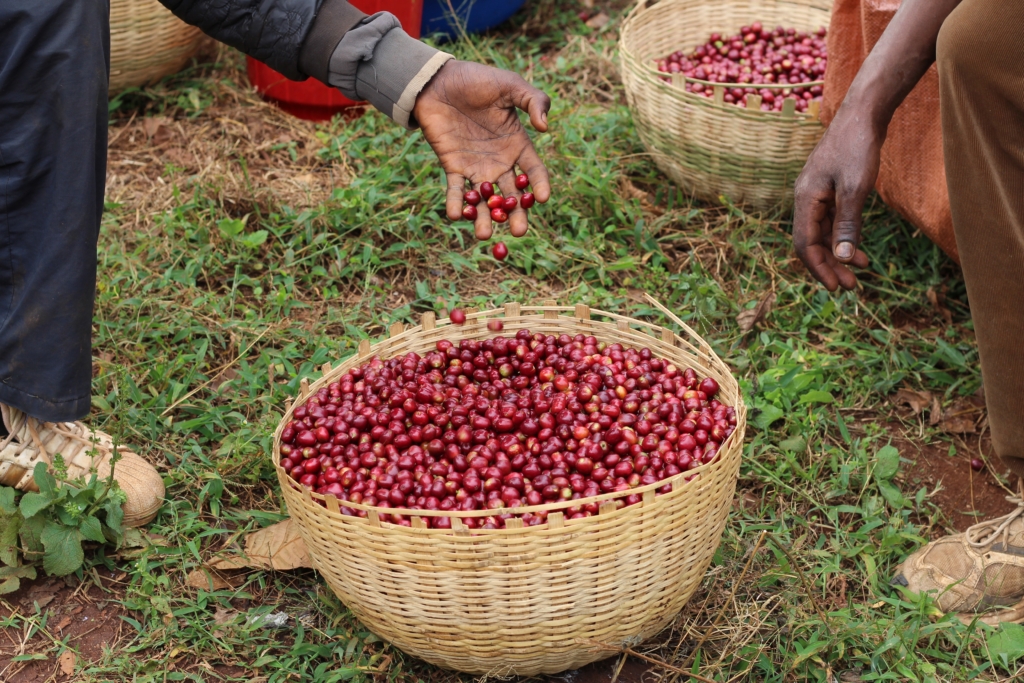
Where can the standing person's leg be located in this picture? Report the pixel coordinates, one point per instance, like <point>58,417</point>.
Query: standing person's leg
<point>982,92</point>
<point>54,57</point>
<point>982,98</point>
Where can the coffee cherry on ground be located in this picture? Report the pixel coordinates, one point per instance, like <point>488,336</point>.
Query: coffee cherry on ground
<point>499,215</point>
<point>527,200</point>
<point>977,464</point>
<point>495,325</point>
<point>469,212</point>
<point>499,251</point>
<point>472,197</point>
<point>486,190</point>
<point>509,203</point>
<point>457,316</point>
<point>522,181</point>
<point>495,201</point>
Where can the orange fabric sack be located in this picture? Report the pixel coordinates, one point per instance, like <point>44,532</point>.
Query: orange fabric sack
<point>912,178</point>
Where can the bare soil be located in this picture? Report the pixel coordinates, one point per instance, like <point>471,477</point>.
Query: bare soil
<point>963,495</point>
<point>86,616</point>
<point>633,671</point>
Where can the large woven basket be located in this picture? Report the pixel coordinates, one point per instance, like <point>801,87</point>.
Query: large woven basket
<point>526,600</point>
<point>709,147</point>
<point>147,42</point>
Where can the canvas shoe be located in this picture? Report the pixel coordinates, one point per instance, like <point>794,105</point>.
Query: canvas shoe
<point>84,450</point>
<point>980,570</point>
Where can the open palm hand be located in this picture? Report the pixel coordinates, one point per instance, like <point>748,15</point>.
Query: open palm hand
<point>468,115</point>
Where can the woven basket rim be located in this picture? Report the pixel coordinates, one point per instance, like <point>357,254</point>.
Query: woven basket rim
<point>366,351</point>
<point>644,69</point>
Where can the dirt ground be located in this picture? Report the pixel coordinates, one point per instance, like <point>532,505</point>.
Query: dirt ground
<point>81,614</point>
<point>965,496</point>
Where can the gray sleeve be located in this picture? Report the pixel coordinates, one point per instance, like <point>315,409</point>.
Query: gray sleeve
<point>378,62</point>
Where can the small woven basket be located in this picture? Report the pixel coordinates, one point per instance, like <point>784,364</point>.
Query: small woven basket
<point>526,600</point>
<point>708,147</point>
<point>147,42</point>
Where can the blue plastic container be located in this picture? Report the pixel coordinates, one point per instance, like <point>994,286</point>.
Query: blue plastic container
<point>475,15</point>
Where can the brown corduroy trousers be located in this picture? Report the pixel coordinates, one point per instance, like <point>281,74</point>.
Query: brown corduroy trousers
<point>981,75</point>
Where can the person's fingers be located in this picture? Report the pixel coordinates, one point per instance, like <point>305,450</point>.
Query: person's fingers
<point>531,165</point>
<point>860,259</point>
<point>482,225</point>
<point>845,276</point>
<point>517,223</point>
<point>810,223</point>
<point>850,197</point>
<point>454,197</point>
<point>815,257</point>
<point>531,100</point>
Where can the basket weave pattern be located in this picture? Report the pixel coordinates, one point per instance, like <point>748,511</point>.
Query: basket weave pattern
<point>147,42</point>
<point>708,147</point>
<point>526,600</point>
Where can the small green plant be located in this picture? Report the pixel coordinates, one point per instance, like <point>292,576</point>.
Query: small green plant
<point>51,524</point>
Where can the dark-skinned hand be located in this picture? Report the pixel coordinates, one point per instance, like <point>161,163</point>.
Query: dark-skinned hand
<point>829,199</point>
<point>468,115</point>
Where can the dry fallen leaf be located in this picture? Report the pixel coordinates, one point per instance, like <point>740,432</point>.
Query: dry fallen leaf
<point>961,417</point>
<point>158,129</point>
<point>277,547</point>
<point>598,21</point>
<point>938,302</point>
<point>935,412</point>
<point>748,320</point>
<point>67,662</point>
<point>221,617</point>
<point>958,425</point>
<point>211,579</point>
<point>918,401</point>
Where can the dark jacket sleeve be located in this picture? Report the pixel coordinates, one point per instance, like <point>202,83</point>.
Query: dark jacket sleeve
<point>294,37</point>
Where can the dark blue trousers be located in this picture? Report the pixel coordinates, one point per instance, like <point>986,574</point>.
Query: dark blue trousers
<point>54,64</point>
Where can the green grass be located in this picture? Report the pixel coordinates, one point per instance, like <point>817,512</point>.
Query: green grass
<point>187,291</point>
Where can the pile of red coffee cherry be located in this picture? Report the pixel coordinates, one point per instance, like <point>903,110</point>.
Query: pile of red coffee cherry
<point>750,60</point>
<point>500,206</point>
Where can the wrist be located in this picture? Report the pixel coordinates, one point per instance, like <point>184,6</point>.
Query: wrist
<point>865,110</point>
<point>426,92</point>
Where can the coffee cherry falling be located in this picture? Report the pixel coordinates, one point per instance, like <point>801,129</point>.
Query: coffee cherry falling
<point>469,212</point>
<point>457,316</point>
<point>527,200</point>
<point>503,423</point>
<point>754,57</point>
<point>486,190</point>
<point>472,197</point>
<point>522,181</point>
<point>495,325</point>
<point>499,251</point>
<point>498,215</point>
<point>977,464</point>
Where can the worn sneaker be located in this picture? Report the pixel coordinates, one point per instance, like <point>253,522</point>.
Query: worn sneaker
<point>30,441</point>
<point>977,571</point>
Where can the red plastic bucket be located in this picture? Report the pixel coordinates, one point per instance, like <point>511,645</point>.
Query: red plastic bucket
<point>311,99</point>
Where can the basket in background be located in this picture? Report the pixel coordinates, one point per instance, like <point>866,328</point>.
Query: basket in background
<point>526,600</point>
<point>147,42</point>
<point>708,147</point>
